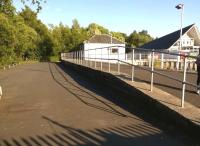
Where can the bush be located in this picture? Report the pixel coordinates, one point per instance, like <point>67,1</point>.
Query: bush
<point>54,58</point>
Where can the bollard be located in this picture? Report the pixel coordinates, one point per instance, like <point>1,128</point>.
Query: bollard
<point>1,93</point>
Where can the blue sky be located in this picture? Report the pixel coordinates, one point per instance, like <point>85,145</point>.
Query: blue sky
<point>158,17</point>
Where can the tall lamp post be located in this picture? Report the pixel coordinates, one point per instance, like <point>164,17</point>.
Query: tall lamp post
<point>180,7</point>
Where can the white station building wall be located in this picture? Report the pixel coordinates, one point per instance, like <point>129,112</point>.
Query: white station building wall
<point>104,52</point>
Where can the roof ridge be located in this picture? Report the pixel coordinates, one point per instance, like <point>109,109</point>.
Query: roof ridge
<point>190,26</point>
<point>168,40</point>
<point>106,35</point>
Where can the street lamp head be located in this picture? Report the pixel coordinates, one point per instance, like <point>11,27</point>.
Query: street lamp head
<point>180,6</point>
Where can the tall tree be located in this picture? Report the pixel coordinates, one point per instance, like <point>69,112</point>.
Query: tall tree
<point>7,39</point>
<point>46,43</point>
<point>94,28</point>
<point>120,36</point>
<point>137,39</point>
<point>7,7</point>
<point>26,39</point>
<point>78,35</point>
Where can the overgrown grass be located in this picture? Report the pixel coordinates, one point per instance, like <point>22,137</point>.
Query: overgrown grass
<point>54,58</point>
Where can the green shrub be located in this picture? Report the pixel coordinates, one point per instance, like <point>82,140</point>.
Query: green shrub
<point>54,58</point>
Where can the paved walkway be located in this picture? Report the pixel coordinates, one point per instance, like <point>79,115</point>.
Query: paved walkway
<point>44,105</point>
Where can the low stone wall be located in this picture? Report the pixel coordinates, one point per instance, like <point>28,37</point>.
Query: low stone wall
<point>135,97</point>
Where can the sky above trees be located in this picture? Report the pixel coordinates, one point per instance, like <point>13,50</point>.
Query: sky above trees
<point>157,17</point>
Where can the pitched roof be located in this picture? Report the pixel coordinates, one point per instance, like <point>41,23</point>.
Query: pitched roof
<point>104,39</point>
<point>166,41</point>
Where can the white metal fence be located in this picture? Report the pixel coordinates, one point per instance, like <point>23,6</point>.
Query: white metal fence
<point>87,57</point>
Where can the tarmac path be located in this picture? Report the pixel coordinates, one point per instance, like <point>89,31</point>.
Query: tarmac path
<point>44,104</point>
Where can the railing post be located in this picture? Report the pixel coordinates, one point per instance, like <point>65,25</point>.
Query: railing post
<point>140,58</point>
<point>1,93</point>
<point>101,60</point>
<point>81,57</point>
<point>118,68</point>
<point>162,60</point>
<point>132,66</point>
<point>95,63</point>
<point>91,58</point>
<point>88,58</point>
<point>150,60</point>
<point>133,55</point>
<point>178,60</point>
<point>152,70</point>
<point>109,59</point>
<point>75,56</point>
<point>78,57</point>
<point>183,83</point>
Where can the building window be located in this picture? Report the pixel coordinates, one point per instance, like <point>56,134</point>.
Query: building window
<point>114,50</point>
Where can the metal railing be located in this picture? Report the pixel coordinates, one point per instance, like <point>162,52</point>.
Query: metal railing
<point>105,55</point>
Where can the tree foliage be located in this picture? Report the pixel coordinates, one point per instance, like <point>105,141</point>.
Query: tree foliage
<point>136,39</point>
<point>7,8</point>
<point>35,2</point>
<point>23,36</point>
<point>7,39</point>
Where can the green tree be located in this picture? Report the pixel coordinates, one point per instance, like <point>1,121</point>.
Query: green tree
<point>7,39</point>
<point>26,39</point>
<point>137,39</point>
<point>7,8</point>
<point>78,35</point>
<point>46,43</point>
<point>120,36</point>
<point>94,28</point>
<point>38,3</point>
<point>62,37</point>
